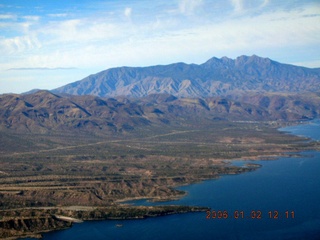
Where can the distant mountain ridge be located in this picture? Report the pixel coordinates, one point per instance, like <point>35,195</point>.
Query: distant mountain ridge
<point>215,77</point>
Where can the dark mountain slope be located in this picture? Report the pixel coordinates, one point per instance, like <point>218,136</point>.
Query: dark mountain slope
<point>43,112</point>
<point>212,78</point>
<point>285,106</point>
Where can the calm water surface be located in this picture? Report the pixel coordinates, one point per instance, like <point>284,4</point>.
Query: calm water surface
<point>288,186</point>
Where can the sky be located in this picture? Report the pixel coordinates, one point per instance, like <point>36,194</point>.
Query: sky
<point>45,44</point>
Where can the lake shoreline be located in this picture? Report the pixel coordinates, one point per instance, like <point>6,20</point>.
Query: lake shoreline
<point>174,195</point>
<point>51,221</point>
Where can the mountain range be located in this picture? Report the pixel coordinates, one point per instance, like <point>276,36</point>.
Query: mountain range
<point>215,77</point>
<point>120,100</point>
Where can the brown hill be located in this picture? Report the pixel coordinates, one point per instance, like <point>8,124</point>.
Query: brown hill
<point>44,111</point>
<point>285,106</point>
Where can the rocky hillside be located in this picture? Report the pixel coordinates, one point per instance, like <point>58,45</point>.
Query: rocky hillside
<point>44,111</point>
<point>212,78</point>
<point>33,222</point>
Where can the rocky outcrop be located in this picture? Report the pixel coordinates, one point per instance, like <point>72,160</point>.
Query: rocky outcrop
<point>30,226</point>
<point>33,222</point>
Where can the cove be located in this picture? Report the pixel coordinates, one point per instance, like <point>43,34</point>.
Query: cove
<point>284,186</point>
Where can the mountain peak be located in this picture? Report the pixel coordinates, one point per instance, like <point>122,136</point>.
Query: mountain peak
<point>43,93</point>
<point>239,60</point>
<point>251,59</point>
<point>216,62</point>
<point>216,76</point>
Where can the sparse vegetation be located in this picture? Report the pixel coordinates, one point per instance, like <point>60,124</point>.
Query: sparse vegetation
<point>99,162</point>
<point>102,170</point>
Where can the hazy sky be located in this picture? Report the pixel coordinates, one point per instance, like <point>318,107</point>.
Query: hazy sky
<point>48,43</point>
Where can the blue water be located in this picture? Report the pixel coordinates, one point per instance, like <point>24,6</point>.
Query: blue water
<point>310,130</point>
<point>286,184</point>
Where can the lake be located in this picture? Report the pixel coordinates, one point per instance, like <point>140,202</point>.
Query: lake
<point>280,200</point>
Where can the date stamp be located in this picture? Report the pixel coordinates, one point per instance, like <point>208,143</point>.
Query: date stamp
<point>253,214</point>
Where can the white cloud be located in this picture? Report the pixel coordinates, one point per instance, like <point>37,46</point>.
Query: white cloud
<point>83,42</point>
<point>18,45</point>
<point>57,15</point>
<point>241,7</point>
<point>237,5</point>
<point>7,16</point>
<point>264,3</point>
<point>189,6</point>
<point>32,18</point>
<point>79,32</point>
<point>234,35</point>
<point>128,12</point>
